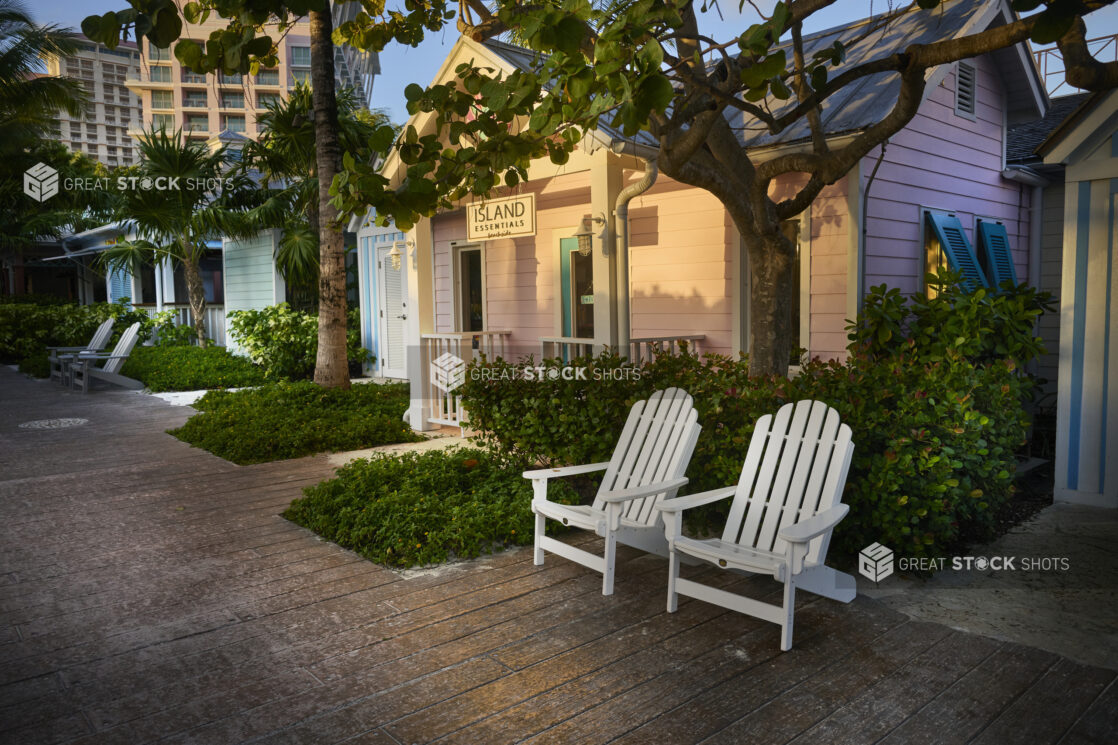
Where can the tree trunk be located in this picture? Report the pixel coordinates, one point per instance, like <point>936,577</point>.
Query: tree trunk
<point>771,336</point>
<point>331,368</point>
<point>196,294</point>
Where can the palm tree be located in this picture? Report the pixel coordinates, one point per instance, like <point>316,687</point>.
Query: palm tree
<point>284,156</point>
<point>183,194</point>
<point>29,101</point>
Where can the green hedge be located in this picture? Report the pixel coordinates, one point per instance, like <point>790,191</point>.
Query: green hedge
<point>423,508</point>
<point>289,420</point>
<point>931,392</point>
<point>190,368</point>
<point>284,342</point>
<point>27,329</point>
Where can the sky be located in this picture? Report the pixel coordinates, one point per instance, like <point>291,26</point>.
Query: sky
<point>401,65</point>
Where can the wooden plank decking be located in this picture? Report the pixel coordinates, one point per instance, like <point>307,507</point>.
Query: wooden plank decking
<point>150,592</point>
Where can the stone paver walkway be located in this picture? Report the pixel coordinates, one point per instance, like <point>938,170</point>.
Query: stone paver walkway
<point>150,592</point>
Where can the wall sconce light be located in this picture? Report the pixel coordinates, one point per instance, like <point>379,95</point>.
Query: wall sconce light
<point>394,255</point>
<point>586,233</point>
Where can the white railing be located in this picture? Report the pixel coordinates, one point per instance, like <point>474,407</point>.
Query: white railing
<point>648,348</point>
<point>641,350</point>
<point>445,407</point>
<point>566,347</point>
<point>214,321</point>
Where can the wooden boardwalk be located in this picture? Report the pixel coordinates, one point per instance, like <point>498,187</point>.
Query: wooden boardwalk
<point>150,592</point>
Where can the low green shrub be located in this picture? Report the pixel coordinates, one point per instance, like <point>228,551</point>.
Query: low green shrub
<point>289,420</point>
<point>285,342</point>
<point>423,508</point>
<point>982,326</point>
<point>37,366</point>
<point>191,368</point>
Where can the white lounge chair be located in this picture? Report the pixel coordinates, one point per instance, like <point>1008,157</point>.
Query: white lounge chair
<point>83,366</point>
<point>647,466</point>
<point>785,506</point>
<point>59,356</point>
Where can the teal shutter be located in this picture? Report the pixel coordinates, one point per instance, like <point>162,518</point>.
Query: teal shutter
<point>994,243</point>
<point>960,256</point>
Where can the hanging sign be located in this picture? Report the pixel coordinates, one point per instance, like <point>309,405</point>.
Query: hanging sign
<point>510,217</point>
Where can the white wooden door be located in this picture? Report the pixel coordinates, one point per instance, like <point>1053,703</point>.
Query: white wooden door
<point>392,311</point>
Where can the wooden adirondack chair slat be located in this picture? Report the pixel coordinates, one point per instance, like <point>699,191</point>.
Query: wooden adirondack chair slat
<point>83,367</point>
<point>651,457</point>
<point>784,509</point>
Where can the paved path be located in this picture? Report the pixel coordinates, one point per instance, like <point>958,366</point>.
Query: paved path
<point>150,592</point>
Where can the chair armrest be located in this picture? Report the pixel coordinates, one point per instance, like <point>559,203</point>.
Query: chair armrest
<point>805,530</point>
<point>67,349</point>
<point>637,492</point>
<point>550,473</point>
<point>695,500</point>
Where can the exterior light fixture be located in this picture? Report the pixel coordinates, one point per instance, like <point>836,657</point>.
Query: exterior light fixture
<point>586,233</point>
<point>395,257</point>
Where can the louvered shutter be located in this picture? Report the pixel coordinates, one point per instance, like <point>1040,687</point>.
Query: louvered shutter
<point>120,285</point>
<point>955,246</point>
<point>993,241</point>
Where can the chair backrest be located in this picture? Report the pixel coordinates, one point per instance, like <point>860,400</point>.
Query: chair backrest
<point>795,468</point>
<point>123,348</point>
<point>655,445</point>
<point>101,336</point>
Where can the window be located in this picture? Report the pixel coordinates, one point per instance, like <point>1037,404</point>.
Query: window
<point>210,268</point>
<point>267,77</point>
<point>195,99</point>
<point>264,100</point>
<point>469,290</point>
<point>193,77</point>
<point>163,121</point>
<point>965,89</point>
<point>301,76</point>
<point>158,54</point>
<point>946,245</point>
<point>301,56</point>
<point>197,122</point>
<point>233,123</point>
<point>230,79</point>
<point>160,74</point>
<point>161,100</point>
<point>233,100</point>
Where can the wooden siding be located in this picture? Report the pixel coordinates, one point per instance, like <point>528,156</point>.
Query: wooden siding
<point>519,272</point>
<point>1051,263</point>
<point>942,161</point>
<point>250,276</point>
<point>680,241</point>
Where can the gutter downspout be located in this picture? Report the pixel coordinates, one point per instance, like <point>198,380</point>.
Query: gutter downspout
<point>860,288</point>
<point>621,228</point>
<point>1029,177</point>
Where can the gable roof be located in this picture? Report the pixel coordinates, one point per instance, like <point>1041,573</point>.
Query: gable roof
<point>1025,139</point>
<point>867,101</point>
<point>1084,130</point>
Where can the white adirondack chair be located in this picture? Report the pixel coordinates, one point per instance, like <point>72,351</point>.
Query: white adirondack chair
<point>647,466</point>
<point>785,506</point>
<point>61,355</point>
<point>83,366</point>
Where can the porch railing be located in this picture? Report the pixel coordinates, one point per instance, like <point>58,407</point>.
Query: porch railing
<point>214,321</point>
<point>566,347</point>
<point>641,350</point>
<point>648,348</point>
<point>443,357</point>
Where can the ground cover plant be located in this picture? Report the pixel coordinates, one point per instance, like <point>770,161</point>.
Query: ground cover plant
<point>289,420</point>
<point>423,508</point>
<point>191,368</point>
